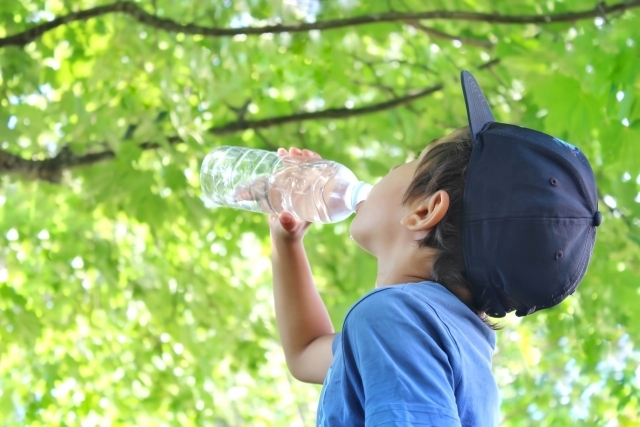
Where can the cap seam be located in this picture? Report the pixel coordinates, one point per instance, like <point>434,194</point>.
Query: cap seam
<point>514,215</point>
<point>582,258</point>
<point>558,295</point>
<point>557,156</point>
<point>538,220</point>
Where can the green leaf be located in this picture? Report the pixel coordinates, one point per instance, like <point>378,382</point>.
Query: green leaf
<point>125,300</point>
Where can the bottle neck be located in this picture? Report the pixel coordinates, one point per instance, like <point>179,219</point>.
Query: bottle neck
<point>359,193</point>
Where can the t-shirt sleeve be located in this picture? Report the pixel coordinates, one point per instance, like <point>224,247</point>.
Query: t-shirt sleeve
<point>398,353</point>
<point>335,343</point>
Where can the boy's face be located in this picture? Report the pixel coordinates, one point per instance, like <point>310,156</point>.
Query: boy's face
<point>377,224</point>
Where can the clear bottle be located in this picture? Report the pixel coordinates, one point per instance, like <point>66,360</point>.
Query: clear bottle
<point>313,190</point>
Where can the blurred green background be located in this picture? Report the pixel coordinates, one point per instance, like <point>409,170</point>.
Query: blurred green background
<point>125,301</point>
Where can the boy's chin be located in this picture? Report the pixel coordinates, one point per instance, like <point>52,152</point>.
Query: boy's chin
<point>360,235</point>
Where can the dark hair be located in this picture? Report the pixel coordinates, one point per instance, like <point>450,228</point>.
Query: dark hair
<point>444,167</point>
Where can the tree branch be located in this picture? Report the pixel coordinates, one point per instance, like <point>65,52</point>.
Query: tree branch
<point>51,169</point>
<point>140,15</point>
<point>331,113</point>
<point>446,36</point>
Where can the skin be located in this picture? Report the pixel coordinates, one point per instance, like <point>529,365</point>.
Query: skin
<point>306,331</point>
<point>391,237</point>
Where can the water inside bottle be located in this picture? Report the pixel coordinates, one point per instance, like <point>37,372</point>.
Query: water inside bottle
<point>260,181</point>
<point>312,190</point>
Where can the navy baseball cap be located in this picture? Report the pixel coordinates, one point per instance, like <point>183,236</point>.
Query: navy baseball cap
<point>530,212</point>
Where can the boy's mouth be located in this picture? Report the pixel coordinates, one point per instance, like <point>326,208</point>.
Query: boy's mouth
<point>358,205</point>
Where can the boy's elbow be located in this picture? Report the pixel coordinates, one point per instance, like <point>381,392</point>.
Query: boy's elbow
<point>310,364</point>
<point>304,374</point>
<point>298,372</point>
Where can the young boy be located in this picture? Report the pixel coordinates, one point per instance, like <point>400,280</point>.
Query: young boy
<point>489,219</point>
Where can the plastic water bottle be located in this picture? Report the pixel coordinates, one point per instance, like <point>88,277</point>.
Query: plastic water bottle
<point>312,190</point>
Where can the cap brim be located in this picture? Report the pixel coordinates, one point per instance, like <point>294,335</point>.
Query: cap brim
<point>478,111</point>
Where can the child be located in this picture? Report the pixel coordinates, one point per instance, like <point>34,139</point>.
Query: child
<point>489,219</point>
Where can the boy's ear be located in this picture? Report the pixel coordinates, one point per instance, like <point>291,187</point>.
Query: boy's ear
<point>427,213</point>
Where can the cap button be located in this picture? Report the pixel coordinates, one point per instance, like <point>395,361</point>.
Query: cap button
<point>597,219</point>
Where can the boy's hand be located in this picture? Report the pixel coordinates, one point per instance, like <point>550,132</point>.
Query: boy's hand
<point>285,227</point>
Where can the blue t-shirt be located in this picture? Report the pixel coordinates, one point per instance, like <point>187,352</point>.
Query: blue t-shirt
<point>411,355</point>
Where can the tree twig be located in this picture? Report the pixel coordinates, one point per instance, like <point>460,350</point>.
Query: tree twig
<point>266,141</point>
<point>140,15</point>
<point>51,169</point>
<point>380,86</point>
<point>446,36</point>
<point>489,64</point>
<point>378,81</point>
<point>242,110</point>
<point>616,213</point>
<point>417,65</point>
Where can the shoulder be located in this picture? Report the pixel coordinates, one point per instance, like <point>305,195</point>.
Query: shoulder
<point>396,310</point>
<point>401,301</point>
<point>395,330</point>
<point>418,312</point>
<point>382,303</point>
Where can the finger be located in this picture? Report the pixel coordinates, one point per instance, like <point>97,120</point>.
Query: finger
<point>312,154</point>
<point>287,220</point>
<point>293,151</point>
<point>282,151</point>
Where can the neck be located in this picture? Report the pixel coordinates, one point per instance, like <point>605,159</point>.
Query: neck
<point>403,262</point>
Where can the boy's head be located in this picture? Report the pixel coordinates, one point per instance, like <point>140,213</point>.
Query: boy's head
<point>506,214</point>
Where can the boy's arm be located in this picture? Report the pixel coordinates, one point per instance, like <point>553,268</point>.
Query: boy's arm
<point>305,328</point>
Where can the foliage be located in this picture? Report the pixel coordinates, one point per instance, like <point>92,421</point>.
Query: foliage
<point>125,301</point>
